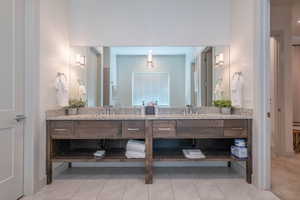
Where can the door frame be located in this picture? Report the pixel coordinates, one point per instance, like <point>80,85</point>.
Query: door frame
<point>261,124</point>
<point>31,130</point>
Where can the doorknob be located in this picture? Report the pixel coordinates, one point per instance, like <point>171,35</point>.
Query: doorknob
<point>20,117</point>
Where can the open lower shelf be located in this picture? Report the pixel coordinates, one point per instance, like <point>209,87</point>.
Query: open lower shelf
<point>112,155</point>
<point>177,155</point>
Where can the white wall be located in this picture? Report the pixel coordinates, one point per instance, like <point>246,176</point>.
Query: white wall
<point>242,46</point>
<point>155,22</point>
<point>174,65</point>
<point>54,57</point>
<point>189,52</point>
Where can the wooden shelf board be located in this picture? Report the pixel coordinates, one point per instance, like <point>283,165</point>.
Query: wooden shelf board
<point>113,155</point>
<point>177,155</point>
<point>93,159</point>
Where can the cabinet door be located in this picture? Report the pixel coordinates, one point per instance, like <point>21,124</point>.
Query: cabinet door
<point>134,129</point>
<point>98,129</point>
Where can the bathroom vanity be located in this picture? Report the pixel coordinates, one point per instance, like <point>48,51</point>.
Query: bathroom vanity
<point>76,138</point>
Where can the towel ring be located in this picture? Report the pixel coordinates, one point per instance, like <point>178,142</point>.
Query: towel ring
<point>237,74</point>
<point>59,74</point>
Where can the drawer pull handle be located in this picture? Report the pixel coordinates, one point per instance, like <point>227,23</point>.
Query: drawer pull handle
<point>237,129</point>
<point>133,129</point>
<point>60,129</point>
<point>164,129</point>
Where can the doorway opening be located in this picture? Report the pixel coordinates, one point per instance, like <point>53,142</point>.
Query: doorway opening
<point>284,104</point>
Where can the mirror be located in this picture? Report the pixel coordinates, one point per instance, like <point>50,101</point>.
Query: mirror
<point>133,76</point>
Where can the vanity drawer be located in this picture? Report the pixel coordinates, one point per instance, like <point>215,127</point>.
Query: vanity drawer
<point>164,129</point>
<point>235,132</point>
<point>200,128</point>
<point>196,132</point>
<point>235,128</point>
<point>235,123</point>
<point>61,129</point>
<point>134,129</point>
<point>98,129</point>
<point>200,123</point>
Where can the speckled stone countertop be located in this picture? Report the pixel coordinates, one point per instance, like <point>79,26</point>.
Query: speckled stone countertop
<point>147,117</point>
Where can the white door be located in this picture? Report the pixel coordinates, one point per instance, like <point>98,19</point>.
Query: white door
<point>11,98</point>
<point>276,101</point>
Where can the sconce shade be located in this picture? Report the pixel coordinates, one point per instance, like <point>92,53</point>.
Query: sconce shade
<point>80,60</point>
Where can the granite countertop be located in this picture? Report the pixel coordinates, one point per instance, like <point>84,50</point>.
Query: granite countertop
<point>147,117</point>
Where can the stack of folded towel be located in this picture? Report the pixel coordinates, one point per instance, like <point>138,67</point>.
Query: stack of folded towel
<point>193,153</point>
<point>135,149</point>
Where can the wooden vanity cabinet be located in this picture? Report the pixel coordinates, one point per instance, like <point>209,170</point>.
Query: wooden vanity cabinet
<point>60,134</point>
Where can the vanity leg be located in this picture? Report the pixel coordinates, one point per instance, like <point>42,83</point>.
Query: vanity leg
<point>229,164</point>
<point>49,172</point>
<point>249,160</point>
<point>70,165</point>
<point>48,157</point>
<point>149,153</point>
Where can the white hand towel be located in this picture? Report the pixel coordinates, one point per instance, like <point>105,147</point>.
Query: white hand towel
<point>62,91</point>
<point>237,91</point>
<point>82,92</point>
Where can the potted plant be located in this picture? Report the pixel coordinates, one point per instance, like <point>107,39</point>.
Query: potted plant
<point>224,105</point>
<point>74,105</point>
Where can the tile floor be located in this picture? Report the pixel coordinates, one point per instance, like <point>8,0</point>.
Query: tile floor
<point>169,184</point>
<point>286,177</point>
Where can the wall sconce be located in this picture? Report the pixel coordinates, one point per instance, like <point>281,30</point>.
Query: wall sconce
<point>150,60</point>
<point>79,60</point>
<point>220,59</point>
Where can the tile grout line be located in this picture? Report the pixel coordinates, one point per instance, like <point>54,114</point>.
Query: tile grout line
<point>102,188</point>
<point>172,186</point>
<point>196,188</point>
<point>125,188</point>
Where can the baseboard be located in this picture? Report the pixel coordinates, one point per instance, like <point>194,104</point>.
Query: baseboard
<point>286,154</point>
<point>42,183</point>
<point>156,164</point>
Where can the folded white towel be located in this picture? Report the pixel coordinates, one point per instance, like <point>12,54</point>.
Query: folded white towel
<point>135,145</point>
<point>99,154</point>
<point>132,154</point>
<point>193,153</point>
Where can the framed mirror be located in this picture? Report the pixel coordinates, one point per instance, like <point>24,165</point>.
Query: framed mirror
<point>129,76</point>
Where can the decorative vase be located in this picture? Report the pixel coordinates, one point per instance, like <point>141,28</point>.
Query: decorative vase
<point>72,111</point>
<point>226,111</point>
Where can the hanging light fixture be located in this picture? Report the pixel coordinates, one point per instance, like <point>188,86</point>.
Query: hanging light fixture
<point>150,60</point>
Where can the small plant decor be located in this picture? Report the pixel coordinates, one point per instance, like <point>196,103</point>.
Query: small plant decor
<point>74,105</point>
<point>224,105</point>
